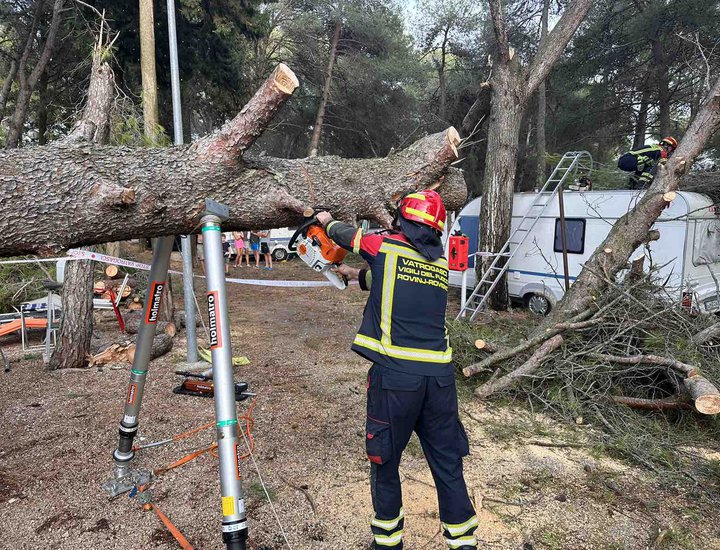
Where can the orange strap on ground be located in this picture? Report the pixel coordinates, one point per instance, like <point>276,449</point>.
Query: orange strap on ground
<point>184,544</point>
<point>185,459</point>
<point>174,531</point>
<point>193,431</point>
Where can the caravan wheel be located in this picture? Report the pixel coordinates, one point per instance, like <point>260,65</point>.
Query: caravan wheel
<point>538,304</point>
<point>279,254</point>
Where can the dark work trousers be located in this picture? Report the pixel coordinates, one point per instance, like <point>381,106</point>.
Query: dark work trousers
<point>397,405</point>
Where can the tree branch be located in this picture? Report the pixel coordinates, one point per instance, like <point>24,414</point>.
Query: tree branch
<point>528,367</point>
<point>238,134</point>
<point>554,44</point>
<point>498,21</point>
<point>49,44</point>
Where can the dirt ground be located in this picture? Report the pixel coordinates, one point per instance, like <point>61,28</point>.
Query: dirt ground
<point>60,429</point>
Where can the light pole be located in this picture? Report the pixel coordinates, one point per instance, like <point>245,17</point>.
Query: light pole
<point>188,291</point>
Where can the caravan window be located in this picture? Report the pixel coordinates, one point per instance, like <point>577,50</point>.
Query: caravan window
<point>707,239</point>
<point>575,233</point>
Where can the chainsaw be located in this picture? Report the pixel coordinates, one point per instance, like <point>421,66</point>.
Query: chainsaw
<point>201,385</point>
<point>316,249</point>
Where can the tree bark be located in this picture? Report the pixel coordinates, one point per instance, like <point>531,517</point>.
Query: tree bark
<point>317,128</point>
<point>540,147</point>
<point>42,114</point>
<point>667,404</point>
<point>530,366</point>
<point>76,326</point>
<point>132,325</point>
<point>508,102</point>
<point>151,119</point>
<point>662,83</point>
<point>29,82</point>
<point>118,193</point>
<point>707,335</point>
<point>512,85</point>
<point>7,86</point>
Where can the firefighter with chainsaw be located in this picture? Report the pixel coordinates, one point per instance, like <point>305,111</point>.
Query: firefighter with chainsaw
<point>411,384</point>
<point>643,162</point>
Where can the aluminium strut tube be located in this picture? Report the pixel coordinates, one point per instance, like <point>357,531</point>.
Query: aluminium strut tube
<point>157,281</point>
<point>234,523</point>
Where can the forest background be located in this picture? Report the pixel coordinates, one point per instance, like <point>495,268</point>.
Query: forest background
<point>634,72</point>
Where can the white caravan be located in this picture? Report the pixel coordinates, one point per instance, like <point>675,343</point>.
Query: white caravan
<point>688,250</point>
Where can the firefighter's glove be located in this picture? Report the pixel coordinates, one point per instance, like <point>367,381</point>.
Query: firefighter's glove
<point>324,218</point>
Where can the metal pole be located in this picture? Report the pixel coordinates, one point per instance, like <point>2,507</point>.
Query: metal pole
<point>48,329</point>
<point>157,281</point>
<point>174,74</point>
<point>188,290</point>
<point>463,292</point>
<point>563,237</point>
<point>234,523</point>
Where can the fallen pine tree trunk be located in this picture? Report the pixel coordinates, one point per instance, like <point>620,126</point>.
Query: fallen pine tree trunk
<point>119,193</point>
<point>132,326</point>
<point>124,352</point>
<point>134,318</point>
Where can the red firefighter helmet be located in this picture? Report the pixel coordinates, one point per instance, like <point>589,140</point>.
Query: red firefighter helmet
<point>671,141</point>
<point>425,207</point>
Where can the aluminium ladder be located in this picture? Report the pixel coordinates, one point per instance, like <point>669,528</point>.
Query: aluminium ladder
<point>564,171</point>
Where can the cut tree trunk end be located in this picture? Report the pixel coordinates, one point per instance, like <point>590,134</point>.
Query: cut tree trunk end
<point>169,185</point>
<point>484,345</point>
<point>124,352</point>
<point>704,393</point>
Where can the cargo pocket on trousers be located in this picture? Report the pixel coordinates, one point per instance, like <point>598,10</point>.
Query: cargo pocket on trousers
<point>377,441</point>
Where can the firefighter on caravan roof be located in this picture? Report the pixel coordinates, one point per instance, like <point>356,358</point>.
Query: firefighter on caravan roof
<point>643,162</point>
<point>411,384</point>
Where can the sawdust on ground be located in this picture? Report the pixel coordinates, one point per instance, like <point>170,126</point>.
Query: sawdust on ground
<point>60,429</point>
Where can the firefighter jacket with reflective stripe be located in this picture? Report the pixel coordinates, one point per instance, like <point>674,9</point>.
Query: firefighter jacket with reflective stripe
<point>648,157</point>
<point>403,326</point>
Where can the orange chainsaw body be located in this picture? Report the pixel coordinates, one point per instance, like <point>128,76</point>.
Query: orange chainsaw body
<point>329,250</point>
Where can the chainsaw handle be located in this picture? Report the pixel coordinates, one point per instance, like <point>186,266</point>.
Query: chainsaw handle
<point>303,227</point>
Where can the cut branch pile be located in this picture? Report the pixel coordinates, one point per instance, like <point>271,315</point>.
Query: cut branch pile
<point>621,333</point>
<point>641,369</point>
